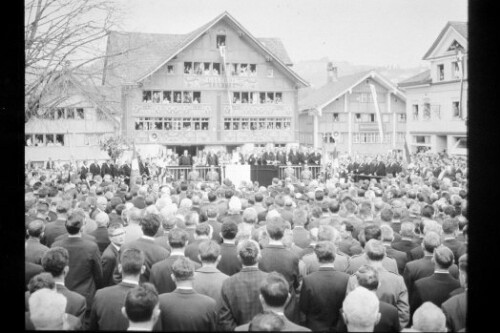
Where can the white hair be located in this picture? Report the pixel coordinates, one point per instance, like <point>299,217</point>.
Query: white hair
<point>47,308</point>
<point>186,203</point>
<point>152,210</point>
<point>162,202</point>
<point>361,307</point>
<point>102,200</point>
<point>429,318</point>
<point>102,219</point>
<point>234,204</point>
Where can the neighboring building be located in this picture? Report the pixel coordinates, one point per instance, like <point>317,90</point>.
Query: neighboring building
<point>437,98</point>
<point>72,128</point>
<point>177,93</point>
<point>342,115</point>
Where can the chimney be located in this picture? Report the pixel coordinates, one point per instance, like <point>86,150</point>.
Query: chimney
<point>331,72</point>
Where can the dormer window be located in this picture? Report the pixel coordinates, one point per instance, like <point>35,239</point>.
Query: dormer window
<point>220,40</point>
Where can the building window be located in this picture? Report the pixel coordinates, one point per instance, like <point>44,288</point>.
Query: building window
<point>216,68</point>
<point>70,113</point>
<point>270,72</point>
<point>170,69</point>
<point>455,105</point>
<point>415,111</point>
<point>188,68</point>
<point>423,139</point>
<point>427,111</point>
<point>220,40</point>
<point>251,123</point>
<point>461,142</point>
<point>372,117</point>
<point>80,113</point>
<point>335,117</point>
<point>59,140</point>
<point>402,117</point>
<point>456,70</point>
<point>146,96</point>
<point>357,117</point>
<point>440,72</point>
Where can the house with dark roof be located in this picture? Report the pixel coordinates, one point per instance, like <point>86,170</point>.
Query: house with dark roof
<point>437,98</point>
<point>78,114</point>
<point>215,87</point>
<point>360,113</point>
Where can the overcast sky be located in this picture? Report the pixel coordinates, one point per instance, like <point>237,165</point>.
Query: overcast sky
<point>371,32</point>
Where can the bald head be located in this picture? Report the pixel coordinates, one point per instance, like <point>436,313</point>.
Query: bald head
<point>102,219</point>
<point>429,318</point>
<point>361,310</point>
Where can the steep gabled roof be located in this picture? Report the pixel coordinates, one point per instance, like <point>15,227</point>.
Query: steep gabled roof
<point>415,80</point>
<point>328,93</point>
<point>135,56</point>
<point>459,27</point>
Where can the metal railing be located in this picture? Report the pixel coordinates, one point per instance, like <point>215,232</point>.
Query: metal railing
<point>297,171</point>
<point>181,172</point>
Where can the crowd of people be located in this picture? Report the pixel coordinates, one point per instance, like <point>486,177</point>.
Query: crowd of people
<point>385,252</point>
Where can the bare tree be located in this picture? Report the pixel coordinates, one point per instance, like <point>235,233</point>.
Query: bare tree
<point>62,37</point>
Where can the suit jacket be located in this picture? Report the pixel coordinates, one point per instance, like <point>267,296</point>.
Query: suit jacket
<point>391,289</point>
<point>416,253</point>
<point>281,157</point>
<point>126,170</point>
<point>162,240</point>
<point>288,327</point>
<point>380,169</point>
<point>359,260</point>
<point>76,304</point>
<point>30,270</point>
<point>421,268</point>
<point>85,272</point>
<point>350,247</point>
<point>321,298</point>
<point>212,159</point>
<point>455,310</point>
<point>34,251</point>
<point>435,288</point>
<point>85,236</point>
<point>185,160</point>
<point>301,237</point>
<point>388,319</point>
<point>186,310</point>
<point>278,258</point>
<point>341,262</point>
<point>101,237</point>
<point>160,274</point>
<point>216,226</point>
<point>109,261</point>
<point>191,250</point>
<point>83,172</point>
<point>240,298</point>
<point>52,231</point>
<point>95,169</point>
<point>106,312</point>
<point>229,263</point>
<point>208,281</point>
<point>405,245</point>
<point>294,158</point>
<point>400,257</point>
<point>153,253</point>
<point>105,169</point>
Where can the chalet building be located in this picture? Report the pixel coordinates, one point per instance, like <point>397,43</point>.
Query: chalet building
<point>361,113</point>
<point>216,87</point>
<point>437,98</point>
<point>72,129</point>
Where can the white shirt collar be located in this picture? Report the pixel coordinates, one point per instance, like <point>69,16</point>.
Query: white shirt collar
<point>147,237</point>
<point>78,235</point>
<point>130,281</point>
<point>115,246</point>
<point>185,288</point>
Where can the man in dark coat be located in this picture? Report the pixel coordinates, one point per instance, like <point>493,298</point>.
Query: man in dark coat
<point>281,156</point>
<point>84,170</point>
<point>323,291</point>
<point>106,313</point>
<point>407,242</point>
<point>58,227</point>
<point>212,158</point>
<point>85,272</point>
<point>101,232</point>
<point>185,159</point>
<point>109,258</point>
<point>229,263</point>
<point>161,271</point>
<point>184,309</point>
<point>437,287</point>
<point>293,156</point>
<point>95,169</point>
<point>105,168</point>
<point>34,250</point>
<point>455,309</point>
<point>152,251</point>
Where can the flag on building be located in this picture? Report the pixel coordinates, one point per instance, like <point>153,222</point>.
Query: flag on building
<point>407,153</point>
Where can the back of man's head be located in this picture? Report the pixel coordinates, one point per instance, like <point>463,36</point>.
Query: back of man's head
<point>74,223</point>
<point>274,289</point>
<point>177,238</point>
<point>387,233</point>
<point>47,308</point>
<point>228,230</point>
<point>140,303</point>
<point>407,229</point>
<point>250,215</point>
<point>259,197</point>
<point>429,318</point>
<point>431,241</point>
<point>267,321</point>
<point>334,206</point>
<point>192,219</point>
<point>150,223</point>
<point>450,226</point>
<point>183,269</point>
<point>427,211</point>
<point>299,217</point>
<point>360,309</point>
<point>325,252</point>
<point>371,231</point>
<point>54,260</point>
<point>211,212</point>
<point>276,228</point>
<point>131,262</point>
<point>134,215</point>
<point>36,228</point>
<point>375,250</point>
<point>327,233</point>
<point>203,229</point>
<point>102,219</point>
<point>367,277</point>
<point>443,257</point>
<point>39,281</point>
<point>248,252</point>
<point>386,215</point>
<point>209,251</point>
